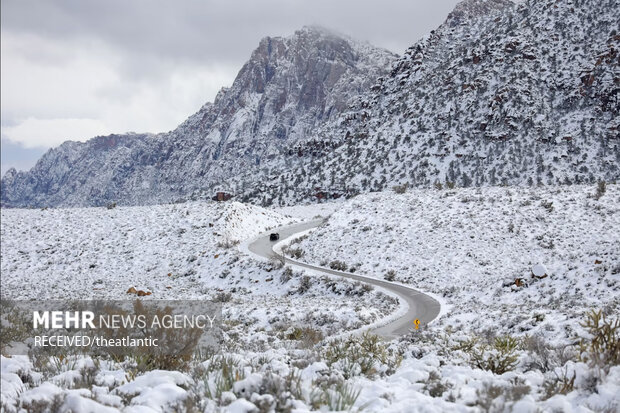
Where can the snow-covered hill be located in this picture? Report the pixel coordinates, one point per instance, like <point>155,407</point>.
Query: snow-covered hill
<point>470,245</point>
<point>521,94</point>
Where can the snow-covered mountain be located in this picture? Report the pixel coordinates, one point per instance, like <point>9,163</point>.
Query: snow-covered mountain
<point>501,93</point>
<point>288,89</point>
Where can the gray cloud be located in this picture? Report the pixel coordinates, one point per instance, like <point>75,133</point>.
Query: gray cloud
<point>219,31</point>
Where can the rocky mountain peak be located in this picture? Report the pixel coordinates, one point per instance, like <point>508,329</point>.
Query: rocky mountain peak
<point>288,89</point>
<point>468,10</point>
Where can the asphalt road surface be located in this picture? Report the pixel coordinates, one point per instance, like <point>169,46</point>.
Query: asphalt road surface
<point>421,306</point>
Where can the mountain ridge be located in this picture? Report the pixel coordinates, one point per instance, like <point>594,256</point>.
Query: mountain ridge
<point>499,94</point>
<point>288,87</point>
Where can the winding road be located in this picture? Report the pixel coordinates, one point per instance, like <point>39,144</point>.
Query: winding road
<point>421,306</point>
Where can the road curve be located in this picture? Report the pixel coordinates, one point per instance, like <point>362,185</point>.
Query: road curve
<point>421,306</point>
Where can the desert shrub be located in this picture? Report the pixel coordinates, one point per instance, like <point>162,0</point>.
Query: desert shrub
<point>332,391</point>
<point>111,205</point>
<point>283,390</point>
<point>499,357</point>
<point>362,355</point>
<point>15,325</point>
<point>548,205</point>
<point>227,243</point>
<point>401,189</point>
<point>603,348</point>
<point>495,398</point>
<point>45,405</point>
<point>560,383</point>
<point>286,275</point>
<point>338,265</point>
<point>296,253</point>
<point>601,188</point>
<point>434,386</point>
<point>277,261</point>
<point>307,336</point>
<point>222,297</point>
<point>218,374</point>
<point>390,275</point>
<point>304,284</point>
<point>487,397</point>
<point>541,354</point>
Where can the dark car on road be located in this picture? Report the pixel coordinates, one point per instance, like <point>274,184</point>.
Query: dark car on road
<point>274,237</point>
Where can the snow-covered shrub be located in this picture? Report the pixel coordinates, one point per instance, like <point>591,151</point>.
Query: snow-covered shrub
<point>304,284</point>
<point>14,325</point>
<point>603,348</point>
<point>338,265</point>
<point>548,205</point>
<point>283,390</point>
<point>296,252</point>
<point>390,275</point>
<point>562,382</point>
<point>499,398</point>
<point>600,190</point>
<point>434,386</point>
<point>339,397</point>
<point>218,375</point>
<point>498,357</point>
<point>227,243</point>
<point>286,275</point>
<point>401,189</point>
<point>362,355</point>
<point>307,336</point>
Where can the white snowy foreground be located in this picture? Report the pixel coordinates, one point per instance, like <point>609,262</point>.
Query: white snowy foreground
<point>496,347</point>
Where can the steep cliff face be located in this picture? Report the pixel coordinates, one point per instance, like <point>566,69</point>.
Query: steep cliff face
<point>288,89</point>
<point>521,94</point>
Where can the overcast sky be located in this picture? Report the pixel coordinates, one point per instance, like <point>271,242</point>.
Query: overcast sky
<point>74,69</point>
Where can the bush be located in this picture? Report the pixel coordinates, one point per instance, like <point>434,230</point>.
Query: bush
<point>304,284</point>
<point>601,188</point>
<point>434,387</point>
<point>111,205</point>
<point>390,275</point>
<point>562,383</point>
<point>227,243</point>
<point>307,336</point>
<point>338,397</point>
<point>603,348</point>
<point>296,253</point>
<point>219,374</point>
<point>286,276</point>
<point>338,265</point>
<point>498,357</point>
<point>548,205</point>
<point>401,189</point>
<point>365,355</point>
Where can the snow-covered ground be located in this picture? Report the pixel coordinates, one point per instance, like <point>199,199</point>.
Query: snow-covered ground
<point>178,251</point>
<point>467,246</point>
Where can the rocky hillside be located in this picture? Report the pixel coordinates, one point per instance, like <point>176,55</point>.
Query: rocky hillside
<point>288,89</point>
<point>501,93</point>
